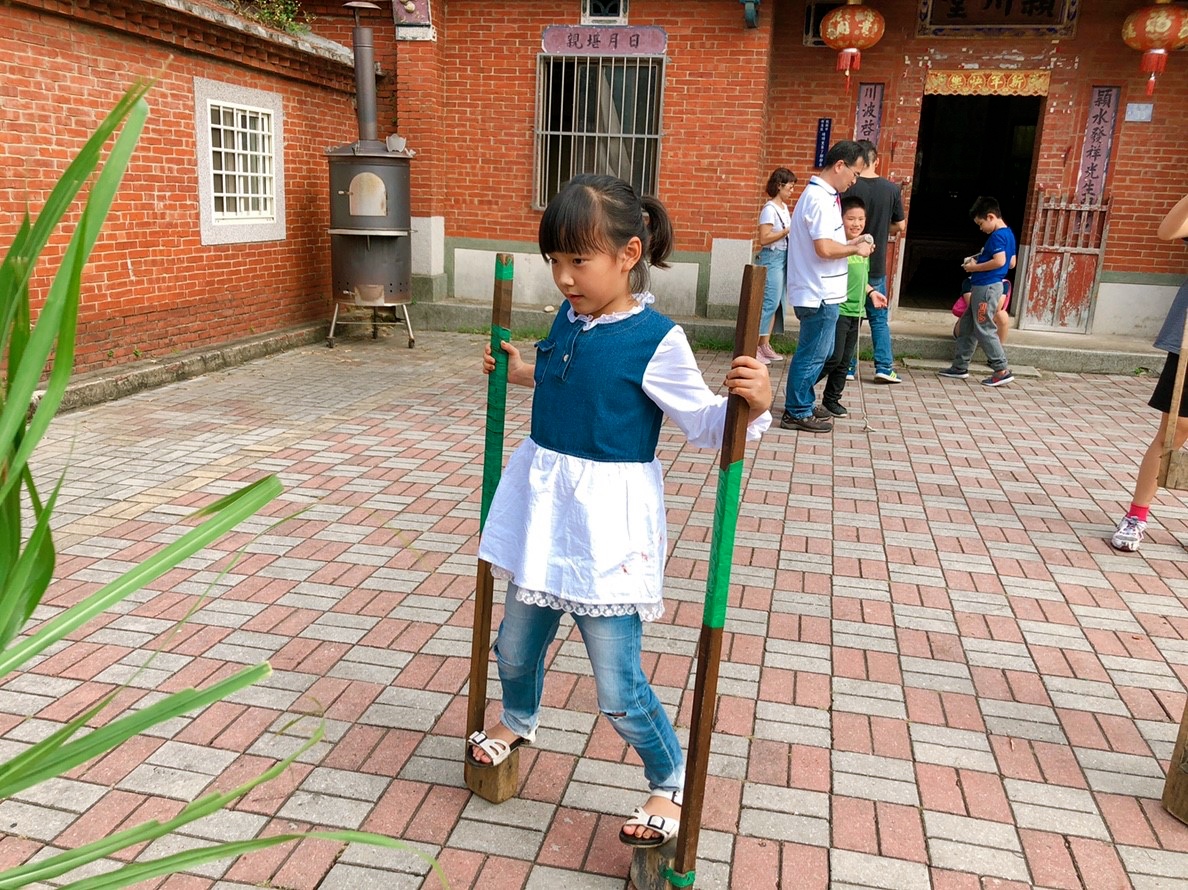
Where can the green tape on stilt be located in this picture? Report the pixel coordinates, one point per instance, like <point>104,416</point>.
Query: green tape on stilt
<point>678,880</point>
<point>504,270</point>
<point>496,407</point>
<point>717,587</point>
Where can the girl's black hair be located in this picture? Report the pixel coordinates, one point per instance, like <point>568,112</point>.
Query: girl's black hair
<point>780,177</point>
<point>594,213</point>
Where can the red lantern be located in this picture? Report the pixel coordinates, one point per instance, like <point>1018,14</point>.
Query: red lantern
<point>851,29</point>
<point>1156,31</point>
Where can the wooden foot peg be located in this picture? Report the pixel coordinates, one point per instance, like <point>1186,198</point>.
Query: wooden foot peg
<point>495,783</point>
<point>651,866</point>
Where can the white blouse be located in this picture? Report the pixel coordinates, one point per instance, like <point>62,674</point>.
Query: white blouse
<point>590,537</point>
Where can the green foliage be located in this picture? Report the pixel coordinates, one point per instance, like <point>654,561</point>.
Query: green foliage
<point>284,15</point>
<point>28,556</point>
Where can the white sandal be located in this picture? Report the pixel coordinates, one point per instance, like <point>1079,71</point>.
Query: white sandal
<point>666,828</point>
<point>497,749</point>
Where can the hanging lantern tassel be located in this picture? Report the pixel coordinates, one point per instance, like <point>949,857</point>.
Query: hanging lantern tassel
<point>850,60</point>
<point>1154,63</point>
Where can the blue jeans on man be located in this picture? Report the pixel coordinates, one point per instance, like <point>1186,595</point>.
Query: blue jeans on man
<point>814,346</point>
<point>880,331</point>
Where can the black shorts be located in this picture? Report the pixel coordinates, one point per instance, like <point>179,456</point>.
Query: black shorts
<point>1161,398</point>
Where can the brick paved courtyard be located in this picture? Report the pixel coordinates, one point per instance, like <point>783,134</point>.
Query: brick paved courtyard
<point>936,673</point>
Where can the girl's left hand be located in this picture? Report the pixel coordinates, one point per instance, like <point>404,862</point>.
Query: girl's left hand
<point>748,378</point>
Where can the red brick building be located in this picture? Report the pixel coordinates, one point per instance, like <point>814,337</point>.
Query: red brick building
<point>1003,103</point>
<point>502,101</point>
<point>187,258</point>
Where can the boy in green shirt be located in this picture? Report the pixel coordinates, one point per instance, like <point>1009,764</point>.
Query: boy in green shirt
<point>852,311</point>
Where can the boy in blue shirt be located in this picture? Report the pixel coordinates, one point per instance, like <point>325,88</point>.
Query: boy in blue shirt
<point>986,272</point>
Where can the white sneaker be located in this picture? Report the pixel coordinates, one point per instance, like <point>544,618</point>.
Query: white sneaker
<point>1129,535</point>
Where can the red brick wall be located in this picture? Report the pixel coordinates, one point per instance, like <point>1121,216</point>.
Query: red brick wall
<point>152,288</point>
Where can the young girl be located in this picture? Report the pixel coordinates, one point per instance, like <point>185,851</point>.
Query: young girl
<point>577,524</point>
<point>775,222</point>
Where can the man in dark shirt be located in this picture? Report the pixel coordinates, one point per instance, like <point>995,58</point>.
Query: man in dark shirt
<point>884,217</point>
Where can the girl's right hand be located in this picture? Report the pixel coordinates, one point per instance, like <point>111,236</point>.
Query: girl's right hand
<point>516,365</point>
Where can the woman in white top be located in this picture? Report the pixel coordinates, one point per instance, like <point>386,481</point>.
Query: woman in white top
<point>775,221</point>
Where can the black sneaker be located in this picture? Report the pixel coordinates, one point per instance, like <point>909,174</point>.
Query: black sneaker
<point>805,424</point>
<point>955,373</point>
<point>998,378</point>
<point>821,412</point>
<point>838,410</point>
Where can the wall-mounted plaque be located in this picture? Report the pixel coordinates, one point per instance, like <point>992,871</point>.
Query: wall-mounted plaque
<point>604,40</point>
<point>824,128</point>
<point>868,115</point>
<point>997,18</point>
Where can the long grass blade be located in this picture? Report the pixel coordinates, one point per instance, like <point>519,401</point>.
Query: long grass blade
<point>107,738</point>
<point>236,508</point>
<point>54,866</point>
<point>56,323</point>
<point>26,580</point>
<point>188,859</point>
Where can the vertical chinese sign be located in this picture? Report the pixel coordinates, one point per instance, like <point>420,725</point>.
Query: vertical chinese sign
<point>868,117</point>
<point>824,128</point>
<point>1099,140</point>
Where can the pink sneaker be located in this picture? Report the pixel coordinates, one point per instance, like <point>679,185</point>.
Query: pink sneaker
<point>770,354</point>
<point>761,357</point>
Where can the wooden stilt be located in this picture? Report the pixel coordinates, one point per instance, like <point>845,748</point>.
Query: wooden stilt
<point>672,866</point>
<point>494,783</point>
<point>1175,789</point>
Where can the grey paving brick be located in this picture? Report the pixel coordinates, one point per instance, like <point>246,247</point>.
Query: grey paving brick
<point>857,635</point>
<point>202,759</point>
<point>998,654</point>
<point>543,877</point>
<point>164,781</point>
<point>1085,695</point>
<point>847,867</point>
<point>62,794</point>
<point>793,724</point>
<point>345,783</point>
<point>325,809</point>
<point>1155,868</point>
<point>866,697</point>
<point>793,656</point>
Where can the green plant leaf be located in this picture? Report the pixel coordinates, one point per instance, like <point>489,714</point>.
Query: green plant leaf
<point>235,508</point>
<point>56,324</point>
<point>66,757</point>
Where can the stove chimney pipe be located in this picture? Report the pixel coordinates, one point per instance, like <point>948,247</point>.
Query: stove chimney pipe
<point>363,42</point>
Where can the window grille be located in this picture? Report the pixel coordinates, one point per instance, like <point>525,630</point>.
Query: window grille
<point>243,184</point>
<point>604,12</point>
<point>598,114</point>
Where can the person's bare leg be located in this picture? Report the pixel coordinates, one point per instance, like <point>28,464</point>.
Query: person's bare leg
<point>1002,321</point>
<point>1148,475</point>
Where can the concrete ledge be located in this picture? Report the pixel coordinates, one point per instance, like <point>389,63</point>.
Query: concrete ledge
<point>104,385</point>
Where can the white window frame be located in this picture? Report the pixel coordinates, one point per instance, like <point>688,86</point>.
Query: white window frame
<point>236,227</point>
<point>616,144</point>
<point>589,18</point>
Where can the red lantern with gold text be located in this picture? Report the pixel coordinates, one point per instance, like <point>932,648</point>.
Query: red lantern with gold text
<point>851,29</point>
<point>1156,31</point>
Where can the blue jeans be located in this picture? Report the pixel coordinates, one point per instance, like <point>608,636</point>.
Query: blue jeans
<point>776,263</point>
<point>818,327</point>
<point>880,332</point>
<point>624,696</point>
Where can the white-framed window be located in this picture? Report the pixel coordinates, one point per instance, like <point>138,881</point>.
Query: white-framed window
<point>239,137</point>
<point>604,12</point>
<point>598,114</point>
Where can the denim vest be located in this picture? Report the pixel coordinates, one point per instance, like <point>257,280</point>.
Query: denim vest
<point>589,400</point>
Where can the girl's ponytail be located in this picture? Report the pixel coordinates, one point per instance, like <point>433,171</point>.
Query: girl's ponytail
<point>659,241</point>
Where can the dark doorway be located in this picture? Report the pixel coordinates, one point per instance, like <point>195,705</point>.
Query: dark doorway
<point>969,146</point>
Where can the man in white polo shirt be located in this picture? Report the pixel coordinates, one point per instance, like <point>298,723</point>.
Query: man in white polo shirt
<point>818,254</point>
